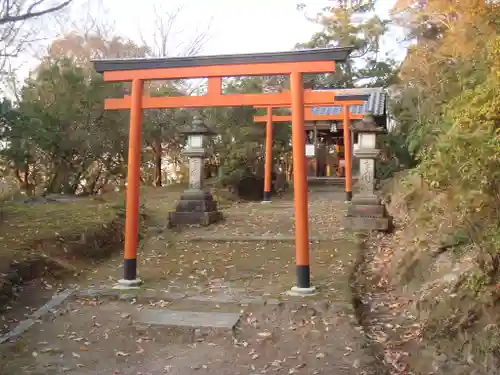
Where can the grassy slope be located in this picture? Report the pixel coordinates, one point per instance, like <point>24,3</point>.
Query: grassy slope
<point>459,319</point>
<point>23,227</point>
<point>26,224</point>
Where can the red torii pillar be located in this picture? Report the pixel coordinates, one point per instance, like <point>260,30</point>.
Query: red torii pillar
<point>268,163</point>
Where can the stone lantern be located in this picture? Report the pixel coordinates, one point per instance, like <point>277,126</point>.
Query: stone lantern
<point>196,205</point>
<point>366,212</point>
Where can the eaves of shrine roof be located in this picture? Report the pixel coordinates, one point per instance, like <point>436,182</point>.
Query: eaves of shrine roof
<point>376,103</point>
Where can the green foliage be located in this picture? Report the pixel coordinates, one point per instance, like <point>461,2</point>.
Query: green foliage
<point>395,155</point>
<point>239,147</point>
<point>165,124</point>
<point>61,135</point>
<point>464,160</point>
<point>347,24</point>
<point>449,113</point>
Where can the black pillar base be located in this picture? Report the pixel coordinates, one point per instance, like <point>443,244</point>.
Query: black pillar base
<point>129,269</point>
<point>267,196</point>
<point>348,196</point>
<point>195,207</point>
<point>303,277</point>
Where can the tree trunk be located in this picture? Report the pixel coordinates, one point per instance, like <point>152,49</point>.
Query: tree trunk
<point>56,184</point>
<point>157,151</point>
<point>72,189</point>
<point>26,187</point>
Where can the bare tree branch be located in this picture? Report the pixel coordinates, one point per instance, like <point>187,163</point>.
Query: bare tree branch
<point>164,35</point>
<point>13,12</point>
<point>20,28</point>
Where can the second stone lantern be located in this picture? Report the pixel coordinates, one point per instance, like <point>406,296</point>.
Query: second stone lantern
<point>196,205</point>
<point>366,212</point>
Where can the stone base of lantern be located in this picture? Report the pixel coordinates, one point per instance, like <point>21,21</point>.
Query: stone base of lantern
<point>195,207</point>
<point>363,216</point>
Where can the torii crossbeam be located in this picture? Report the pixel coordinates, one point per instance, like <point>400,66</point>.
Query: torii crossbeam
<point>294,64</point>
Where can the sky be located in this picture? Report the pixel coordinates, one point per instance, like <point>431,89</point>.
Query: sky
<point>233,26</point>
<point>237,26</point>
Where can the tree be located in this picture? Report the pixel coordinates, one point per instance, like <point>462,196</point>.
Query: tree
<point>18,150</point>
<point>165,41</point>
<point>239,146</point>
<point>347,24</point>
<point>161,130</point>
<point>18,11</point>
<point>86,47</point>
<point>59,137</point>
<point>14,16</point>
<point>448,57</point>
<point>161,126</point>
<point>79,50</point>
<point>449,107</point>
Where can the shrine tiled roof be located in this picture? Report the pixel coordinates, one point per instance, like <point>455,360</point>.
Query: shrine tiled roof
<point>376,104</point>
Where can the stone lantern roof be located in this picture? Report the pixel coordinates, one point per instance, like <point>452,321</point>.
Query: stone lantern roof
<point>197,127</point>
<point>367,125</point>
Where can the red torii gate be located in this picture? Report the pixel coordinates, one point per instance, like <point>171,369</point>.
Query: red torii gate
<point>294,64</point>
<point>345,115</point>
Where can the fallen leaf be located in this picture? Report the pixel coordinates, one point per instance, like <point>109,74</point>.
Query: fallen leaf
<point>122,354</point>
<point>84,348</point>
<point>76,355</point>
<point>140,350</point>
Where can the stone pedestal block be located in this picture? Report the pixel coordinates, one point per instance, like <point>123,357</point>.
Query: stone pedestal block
<point>365,223</point>
<point>367,217</point>
<point>195,207</point>
<point>367,210</point>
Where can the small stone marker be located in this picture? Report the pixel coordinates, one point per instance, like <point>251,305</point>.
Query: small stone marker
<point>191,319</point>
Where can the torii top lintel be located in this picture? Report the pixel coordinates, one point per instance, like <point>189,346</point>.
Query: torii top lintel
<point>214,68</point>
<point>276,63</point>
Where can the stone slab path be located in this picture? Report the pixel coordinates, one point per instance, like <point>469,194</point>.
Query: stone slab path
<point>192,319</point>
<point>193,289</point>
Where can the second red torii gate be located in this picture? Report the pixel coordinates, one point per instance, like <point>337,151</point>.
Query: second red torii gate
<point>345,116</point>
<point>293,64</point>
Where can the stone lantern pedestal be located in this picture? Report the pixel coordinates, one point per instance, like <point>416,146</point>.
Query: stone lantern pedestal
<point>366,212</point>
<point>196,205</point>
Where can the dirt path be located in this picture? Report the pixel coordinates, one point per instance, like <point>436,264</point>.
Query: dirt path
<point>275,334</point>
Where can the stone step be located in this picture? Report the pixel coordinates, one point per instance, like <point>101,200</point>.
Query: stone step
<point>257,238</point>
<point>188,319</point>
<point>332,181</point>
